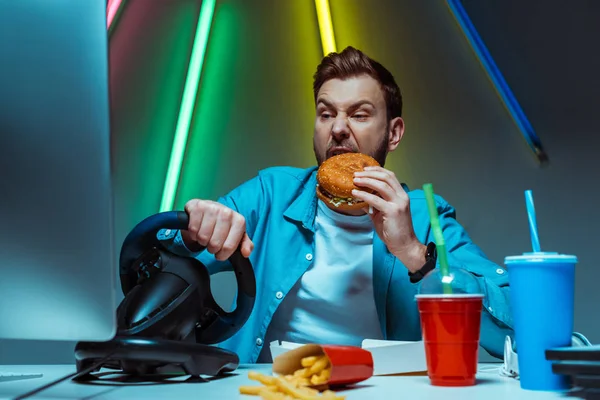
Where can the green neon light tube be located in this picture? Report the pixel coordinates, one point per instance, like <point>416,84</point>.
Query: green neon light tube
<point>187,104</point>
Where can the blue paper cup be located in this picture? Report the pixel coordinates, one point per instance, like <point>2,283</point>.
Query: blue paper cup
<point>542,287</point>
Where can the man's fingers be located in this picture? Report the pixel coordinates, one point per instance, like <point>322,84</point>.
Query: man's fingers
<point>383,175</point>
<point>194,224</point>
<point>233,239</point>
<point>217,228</point>
<point>380,187</point>
<point>191,205</point>
<point>370,210</point>
<point>247,246</point>
<point>206,229</point>
<point>375,201</point>
<point>220,234</point>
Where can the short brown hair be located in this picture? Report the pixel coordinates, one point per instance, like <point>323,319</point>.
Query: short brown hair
<point>351,63</point>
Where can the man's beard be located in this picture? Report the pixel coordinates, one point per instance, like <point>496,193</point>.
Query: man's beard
<point>380,153</point>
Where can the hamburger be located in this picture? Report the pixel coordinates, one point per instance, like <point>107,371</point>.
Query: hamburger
<point>335,180</point>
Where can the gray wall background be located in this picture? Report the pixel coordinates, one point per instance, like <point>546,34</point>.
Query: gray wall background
<point>256,89</point>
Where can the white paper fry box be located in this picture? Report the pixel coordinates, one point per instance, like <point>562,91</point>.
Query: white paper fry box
<point>396,357</point>
<point>280,347</point>
<point>389,357</point>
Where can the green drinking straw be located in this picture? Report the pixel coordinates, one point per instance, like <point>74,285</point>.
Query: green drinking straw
<point>438,236</point>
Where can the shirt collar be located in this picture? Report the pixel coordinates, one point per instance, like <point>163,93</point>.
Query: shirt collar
<point>304,208</point>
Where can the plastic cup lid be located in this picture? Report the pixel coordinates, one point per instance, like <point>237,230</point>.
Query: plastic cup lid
<point>449,296</point>
<point>549,257</point>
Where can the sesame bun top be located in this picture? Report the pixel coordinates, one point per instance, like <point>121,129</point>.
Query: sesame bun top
<point>336,174</point>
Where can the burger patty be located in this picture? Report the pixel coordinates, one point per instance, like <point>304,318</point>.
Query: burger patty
<point>336,201</point>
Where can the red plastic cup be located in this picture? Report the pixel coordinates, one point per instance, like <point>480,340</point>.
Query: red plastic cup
<point>451,325</point>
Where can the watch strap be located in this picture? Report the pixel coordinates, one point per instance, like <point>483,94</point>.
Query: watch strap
<point>430,262</point>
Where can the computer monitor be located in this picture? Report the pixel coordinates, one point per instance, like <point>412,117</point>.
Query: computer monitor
<point>57,262</point>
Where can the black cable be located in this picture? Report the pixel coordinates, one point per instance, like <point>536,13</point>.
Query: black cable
<point>64,378</point>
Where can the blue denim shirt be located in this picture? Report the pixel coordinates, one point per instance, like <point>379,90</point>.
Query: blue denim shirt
<point>279,206</point>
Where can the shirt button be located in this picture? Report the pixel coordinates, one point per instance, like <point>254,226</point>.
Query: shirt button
<point>259,342</point>
<point>500,271</point>
<point>308,256</point>
<point>279,295</point>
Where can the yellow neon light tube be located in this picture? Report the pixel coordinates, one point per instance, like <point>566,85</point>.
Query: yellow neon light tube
<point>325,26</point>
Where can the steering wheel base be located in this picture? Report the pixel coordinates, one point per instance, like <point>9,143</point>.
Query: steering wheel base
<point>148,356</point>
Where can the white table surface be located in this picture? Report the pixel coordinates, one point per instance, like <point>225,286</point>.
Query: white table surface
<point>490,386</point>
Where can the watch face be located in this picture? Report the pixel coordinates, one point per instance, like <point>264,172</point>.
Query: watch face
<point>431,250</point>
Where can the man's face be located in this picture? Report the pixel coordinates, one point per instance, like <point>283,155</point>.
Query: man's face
<point>351,117</point>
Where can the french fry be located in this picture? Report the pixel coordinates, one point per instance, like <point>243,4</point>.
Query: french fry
<point>311,391</point>
<point>296,392</point>
<point>270,395</point>
<point>321,378</point>
<point>302,382</point>
<point>308,361</point>
<point>330,394</point>
<point>302,373</point>
<point>319,365</point>
<point>252,390</point>
<point>315,372</point>
<point>264,379</point>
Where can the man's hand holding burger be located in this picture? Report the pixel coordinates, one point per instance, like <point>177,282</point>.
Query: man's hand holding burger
<point>338,179</point>
<point>216,227</point>
<point>391,214</point>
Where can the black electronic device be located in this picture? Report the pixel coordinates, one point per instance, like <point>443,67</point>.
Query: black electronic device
<point>581,364</point>
<point>168,301</point>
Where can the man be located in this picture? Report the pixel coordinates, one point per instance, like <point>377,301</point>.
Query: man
<point>327,277</point>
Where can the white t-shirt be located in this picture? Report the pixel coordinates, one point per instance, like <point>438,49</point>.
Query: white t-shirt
<point>333,302</point>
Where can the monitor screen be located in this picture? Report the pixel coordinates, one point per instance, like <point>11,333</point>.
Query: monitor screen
<point>57,264</point>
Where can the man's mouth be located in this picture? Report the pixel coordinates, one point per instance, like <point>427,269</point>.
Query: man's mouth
<point>339,150</point>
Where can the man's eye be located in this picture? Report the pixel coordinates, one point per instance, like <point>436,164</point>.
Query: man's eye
<point>361,117</point>
<point>325,115</point>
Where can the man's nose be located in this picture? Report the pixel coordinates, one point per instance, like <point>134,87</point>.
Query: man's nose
<point>340,129</point>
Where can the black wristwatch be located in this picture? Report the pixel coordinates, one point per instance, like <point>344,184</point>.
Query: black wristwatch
<point>430,260</point>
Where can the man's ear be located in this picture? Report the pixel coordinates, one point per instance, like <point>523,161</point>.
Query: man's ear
<point>395,133</point>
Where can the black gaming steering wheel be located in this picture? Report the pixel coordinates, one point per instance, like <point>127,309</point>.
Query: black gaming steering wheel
<point>169,296</point>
